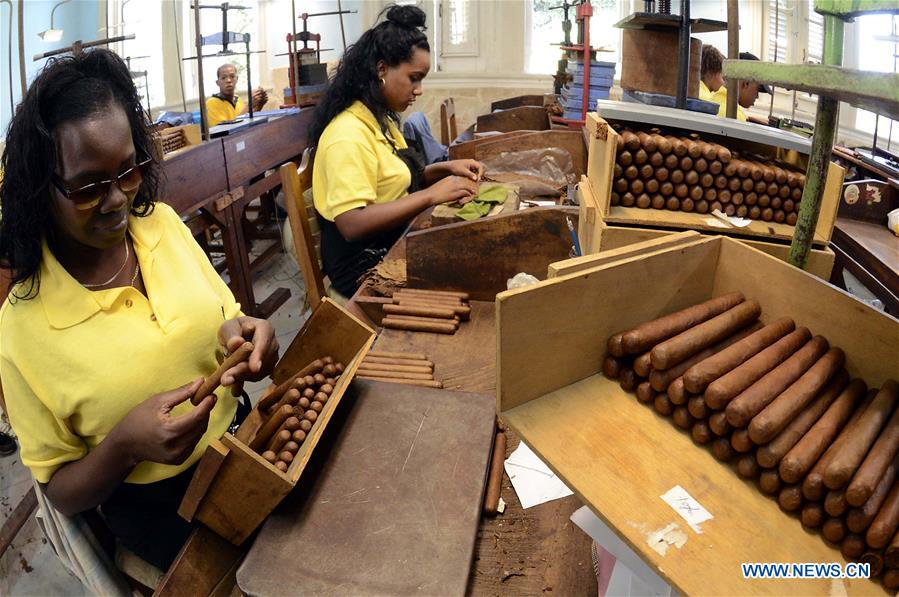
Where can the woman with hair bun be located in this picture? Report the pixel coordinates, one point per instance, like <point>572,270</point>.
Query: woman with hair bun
<point>367,183</point>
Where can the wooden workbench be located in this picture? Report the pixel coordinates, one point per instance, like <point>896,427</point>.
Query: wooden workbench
<point>870,252</point>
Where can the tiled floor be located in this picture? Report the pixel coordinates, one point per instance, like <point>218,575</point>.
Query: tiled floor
<point>29,566</point>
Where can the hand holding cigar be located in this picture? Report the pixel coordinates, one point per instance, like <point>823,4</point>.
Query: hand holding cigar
<point>260,363</point>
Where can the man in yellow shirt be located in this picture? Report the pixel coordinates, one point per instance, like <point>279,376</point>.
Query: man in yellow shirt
<point>747,93</point>
<point>225,105</point>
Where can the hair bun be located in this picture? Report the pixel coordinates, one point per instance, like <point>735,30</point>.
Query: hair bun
<point>406,16</point>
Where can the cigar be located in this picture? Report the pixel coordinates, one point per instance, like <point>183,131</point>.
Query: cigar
<point>269,428</point>
<point>393,374</point>
<point>495,477</point>
<point>368,365</point>
<point>369,358</point>
<point>384,354</point>
<point>212,382</point>
<point>408,382</point>
<point>422,311</point>
<point>444,293</point>
<point>423,319</point>
<point>414,296</point>
<point>276,394</point>
<point>460,311</point>
<point>415,326</point>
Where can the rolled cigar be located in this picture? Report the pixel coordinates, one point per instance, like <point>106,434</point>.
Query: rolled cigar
<point>394,374</point>
<point>694,150</point>
<point>742,168</point>
<point>663,145</point>
<point>281,466</point>
<point>891,555</point>
<point>835,502</point>
<point>681,191</point>
<point>268,429</point>
<point>740,441</point>
<point>780,175</point>
<point>369,358</point>
<point>658,202</point>
<point>734,185</point>
<point>656,159</point>
<point>278,440</point>
<point>643,365</point>
<point>647,141</point>
<point>298,436</point>
<point>722,390</point>
<point>776,204</point>
<point>691,177</point>
<point>306,425</point>
<point>614,198</point>
<point>771,454</point>
<point>719,425</point>
<point>699,376</point>
<point>813,485</point>
<point>687,205</point>
<point>676,350</point>
<point>676,392</point>
<point>721,183</point>
<point>628,380</point>
<point>701,433</point>
<point>884,451</point>
<point>737,198</point>
<point>290,398</point>
<point>709,152</point>
<point>891,579</point>
<point>788,205</point>
<point>652,186</point>
<point>310,415</point>
<point>706,180</point>
<point>628,199</point>
<point>661,174</point>
<point>767,214</point>
<point>729,209</point>
<point>724,155</point>
<point>640,157</point>
<point>697,407</point>
<point>426,297</point>
<point>730,169</point>
<point>611,367</point>
<point>682,418</point>
<point>755,171</point>
<point>721,449</point>
<point>686,164</point>
<point>382,367</point>
<point>853,546</point>
<point>416,326</point>
<point>275,395</point>
<point>644,201</point>
<point>779,216</point>
<point>785,407</point>
<point>715,167</point>
<point>714,205</point>
<point>621,185</point>
<point>859,519</point>
<point>422,311</point>
<point>861,436</point>
<point>747,467</point>
<point>672,203</point>
<point>647,171</point>
<point>617,171</point>
<point>645,393</point>
<point>791,219</point>
<point>678,147</point>
<point>615,345</point>
<point>884,525</point>
<point>772,189</point>
<point>790,499</point>
<point>437,293</point>
<point>292,446</point>
<point>408,382</point>
<point>764,200</point>
<point>796,195</point>
<point>769,481</point>
<point>801,180</point>
<point>212,382</point>
<point>664,379</point>
<point>662,405</point>
<point>813,515</point>
<point>671,161</point>
<point>495,477</point>
<point>696,193</point>
<point>700,165</point>
<point>463,312</point>
<point>792,179</point>
<point>286,457</point>
<point>677,176</point>
<point>270,456</point>
<point>874,559</point>
<point>424,319</point>
<point>630,140</point>
<point>746,185</point>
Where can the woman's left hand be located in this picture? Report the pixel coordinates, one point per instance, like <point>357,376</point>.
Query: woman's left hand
<point>472,169</point>
<point>260,332</point>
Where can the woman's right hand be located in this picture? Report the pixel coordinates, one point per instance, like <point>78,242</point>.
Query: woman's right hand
<point>150,432</point>
<point>453,188</point>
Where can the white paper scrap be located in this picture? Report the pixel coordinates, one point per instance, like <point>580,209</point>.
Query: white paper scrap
<point>731,220</point>
<point>687,506</point>
<point>533,481</point>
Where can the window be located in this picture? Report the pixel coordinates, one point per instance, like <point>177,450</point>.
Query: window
<point>144,52</point>
<point>878,47</point>
<point>780,14</point>
<point>545,34</point>
<point>795,32</point>
<point>458,28</point>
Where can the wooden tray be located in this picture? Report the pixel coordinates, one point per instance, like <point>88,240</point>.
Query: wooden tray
<point>618,456</point>
<point>600,167</point>
<point>234,489</point>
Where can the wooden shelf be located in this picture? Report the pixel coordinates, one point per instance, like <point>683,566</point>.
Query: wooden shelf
<point>651,20</point>
<point>877,92</point>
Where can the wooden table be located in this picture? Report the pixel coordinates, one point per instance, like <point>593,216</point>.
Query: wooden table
<point>869,252</point>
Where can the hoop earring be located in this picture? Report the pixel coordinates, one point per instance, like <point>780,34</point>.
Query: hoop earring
<point>383,82</point>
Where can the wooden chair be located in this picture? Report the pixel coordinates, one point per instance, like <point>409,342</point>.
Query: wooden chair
<point>295,181</point>
<point>448,131</point>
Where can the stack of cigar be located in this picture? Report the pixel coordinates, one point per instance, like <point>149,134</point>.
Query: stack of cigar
<point>417,310</point>
<point>292,408</point>
<point>407,368</point>
<point>777,402</point>
<point>685,174</point>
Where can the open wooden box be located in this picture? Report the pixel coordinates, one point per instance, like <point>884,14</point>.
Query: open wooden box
<point>619,456</point>
<point>234,489</point>
<point>596,236</point>
<point>601,155</point>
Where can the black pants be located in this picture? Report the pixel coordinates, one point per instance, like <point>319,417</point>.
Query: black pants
<point>144,517</point>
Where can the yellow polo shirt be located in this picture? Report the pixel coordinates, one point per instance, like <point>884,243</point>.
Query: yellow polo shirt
<point>704,93</point>
<point>355,164</point>
<point>221,110</point>
<point>74,362</point>
<point>720,97</point>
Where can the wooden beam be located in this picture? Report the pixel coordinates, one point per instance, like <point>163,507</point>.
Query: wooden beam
<point>17,520</point>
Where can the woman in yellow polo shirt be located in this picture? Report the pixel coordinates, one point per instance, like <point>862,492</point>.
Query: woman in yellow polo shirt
<point>367,183</point>
<point>115,315</point>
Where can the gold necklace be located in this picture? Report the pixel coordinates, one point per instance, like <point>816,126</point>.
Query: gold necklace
<point>136,271</point>
<point>116,275</point>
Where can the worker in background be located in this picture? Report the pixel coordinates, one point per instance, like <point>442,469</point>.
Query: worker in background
<point>711,78</point>
<point>747,93</point>
<point>225,106</point>
<point>366,182</point>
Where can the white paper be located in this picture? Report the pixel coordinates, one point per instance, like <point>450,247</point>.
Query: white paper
<point>731,220</point>
<point>533,481</point>
<point>686,505</point>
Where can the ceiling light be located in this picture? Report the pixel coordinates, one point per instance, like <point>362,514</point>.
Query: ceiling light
<point>53,34</point>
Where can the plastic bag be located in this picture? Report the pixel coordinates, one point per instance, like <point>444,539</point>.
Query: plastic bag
<point>538,172</point>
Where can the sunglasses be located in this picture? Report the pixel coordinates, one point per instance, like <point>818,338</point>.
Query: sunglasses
<point>90,196</point>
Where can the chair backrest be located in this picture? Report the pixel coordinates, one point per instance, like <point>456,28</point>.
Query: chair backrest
<point>295,181</point>
<point>448,130</point>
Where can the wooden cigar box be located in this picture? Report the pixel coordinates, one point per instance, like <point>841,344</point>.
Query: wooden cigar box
<point>234,489</point>
<point>595,236</point>
<point>602,141</point>
<point>619,456</point>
